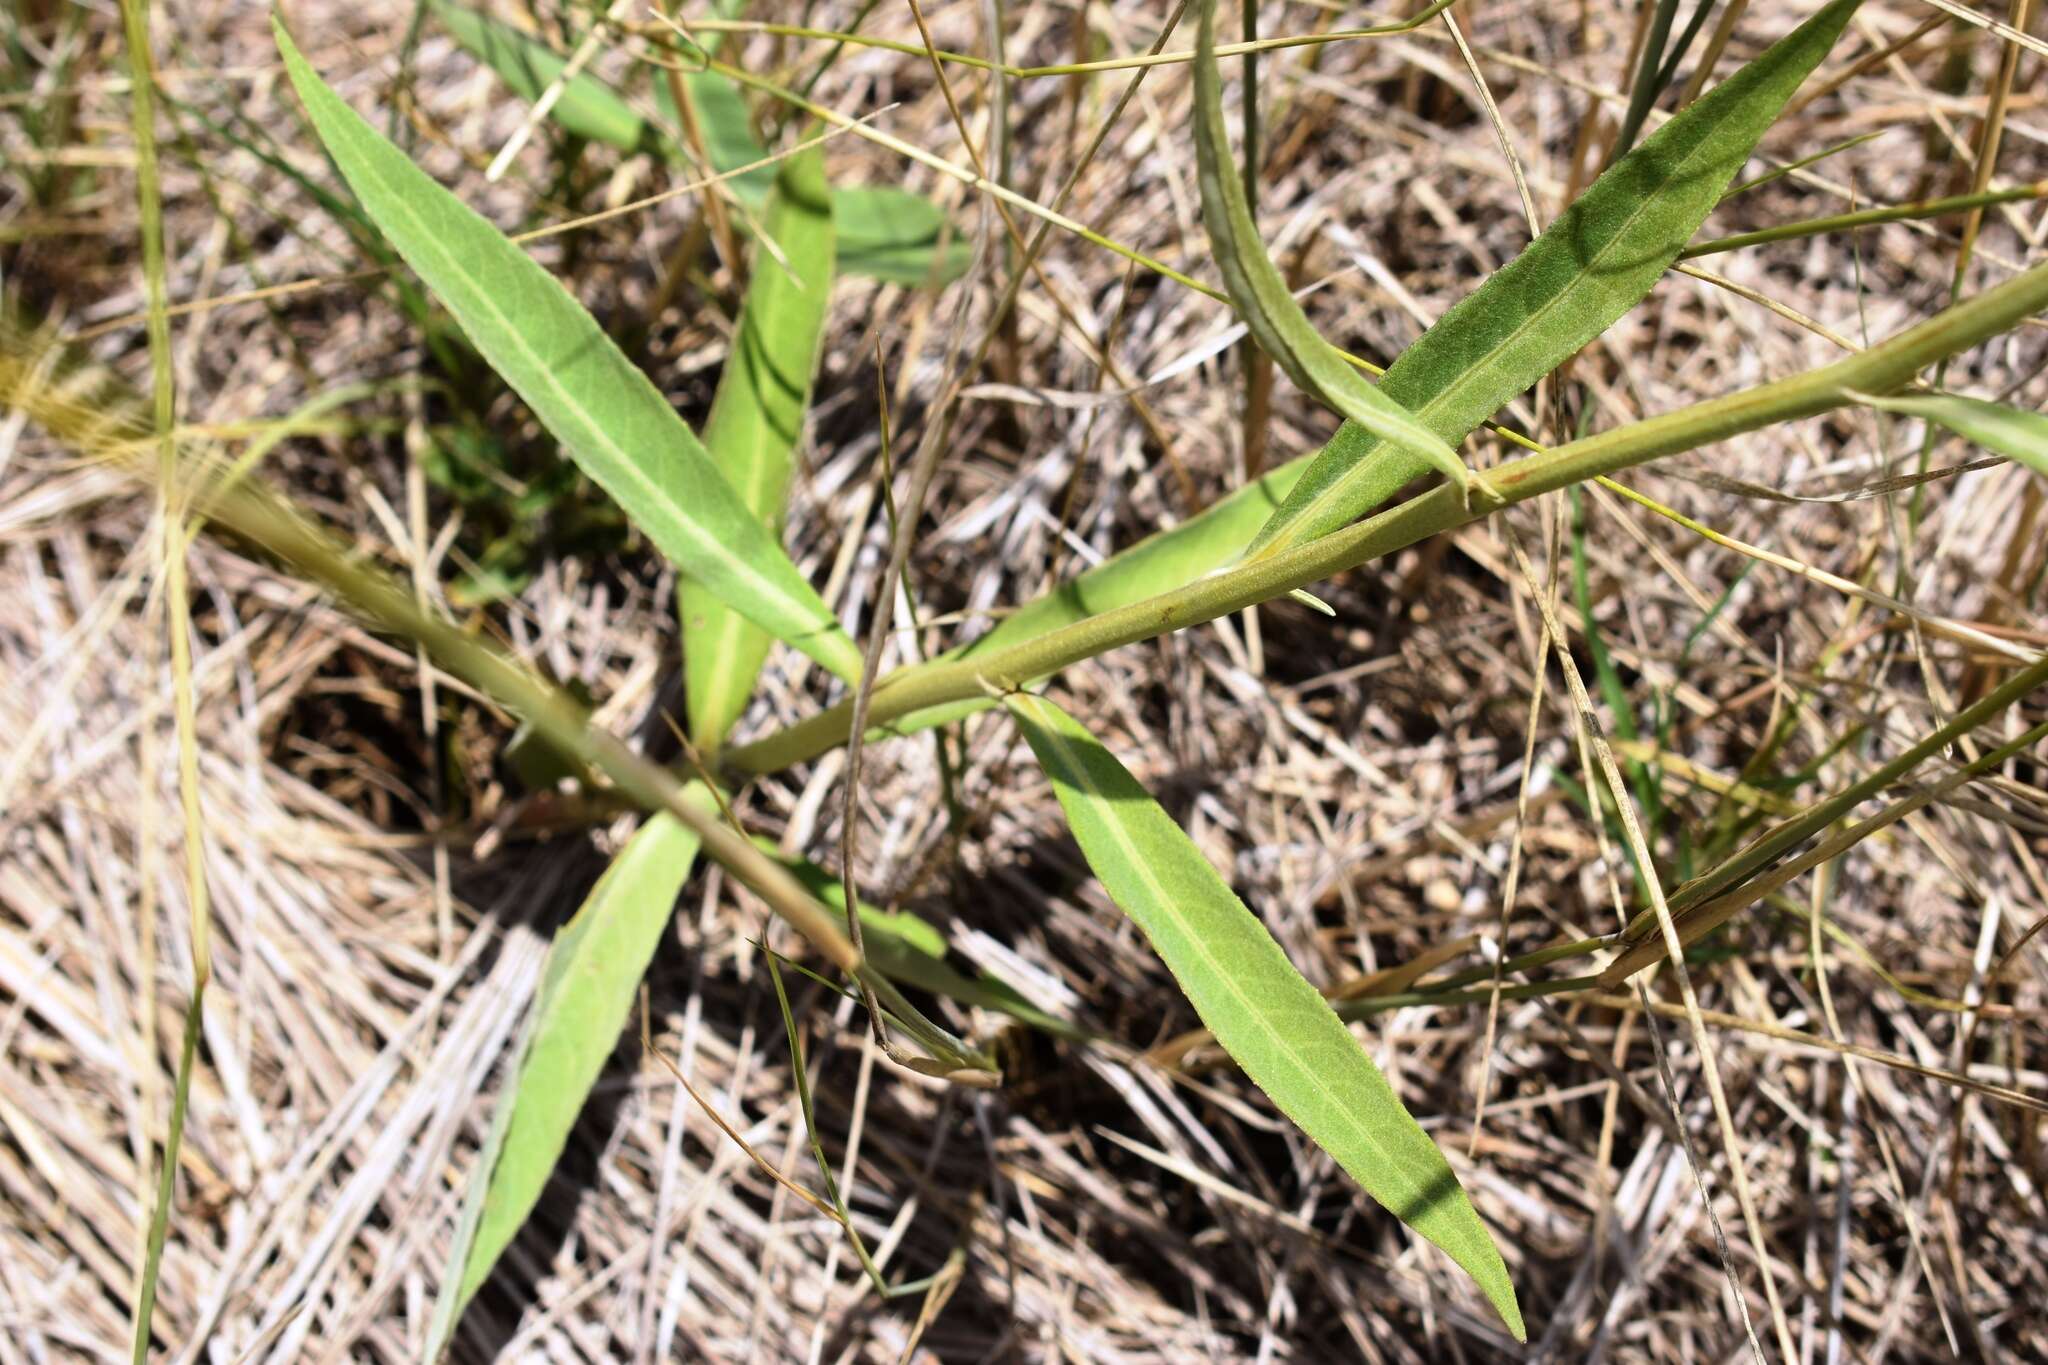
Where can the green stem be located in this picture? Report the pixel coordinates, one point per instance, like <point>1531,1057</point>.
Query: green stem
<point>167,1178</point>
<point>1643,90</point>
<point>1890,213</point>
<point>1881,369</point>
<point>563,723</point>
<point>1365,1006</point>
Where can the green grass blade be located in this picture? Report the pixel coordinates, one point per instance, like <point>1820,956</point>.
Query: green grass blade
<point>586,995</point>
<point>167,1177</point>
<point>1261,296</point>
<point>1593,264</point>
<point>601,408</point>
<point>1265,1015</point>
<point>756,417</point>
<point>2015,433</point>
<point>588,107</point>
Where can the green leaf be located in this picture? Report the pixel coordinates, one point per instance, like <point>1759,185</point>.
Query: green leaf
<point>2015,433</point>
<point>894,235</point>
<point>1440,363</point>
<point>728,131</point>
<point>603,410</point>
<point>1592,265</point>
<point>1261,296</point>
<point>756,417</point>
<point>586,995</point>
<point>1265,1015</point>
<point>588,107</point>
<point>907,948</point>
<point>884,233</point>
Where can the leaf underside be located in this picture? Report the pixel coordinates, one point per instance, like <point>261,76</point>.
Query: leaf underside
<point>1261,296</point>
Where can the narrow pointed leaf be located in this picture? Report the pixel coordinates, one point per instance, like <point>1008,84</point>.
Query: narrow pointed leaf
<point>603,410</point>
<point>1265,1015</point>
<point>1592,265</point>
<point>585,997</point>
<point>756,417</point>
<point>1261,296</point>
<point>2015,433</point>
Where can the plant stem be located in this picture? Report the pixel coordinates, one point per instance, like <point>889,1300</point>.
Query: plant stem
<point>563,723</point>
<point>1890,213</point>
<point>1881,369</point>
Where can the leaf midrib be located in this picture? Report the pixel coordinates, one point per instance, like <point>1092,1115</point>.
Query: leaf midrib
<point>615,452</point>
<point>1135,857</point>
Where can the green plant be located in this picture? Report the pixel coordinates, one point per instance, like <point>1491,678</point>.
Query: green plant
<point>713,509</point>
<point>884,232</point>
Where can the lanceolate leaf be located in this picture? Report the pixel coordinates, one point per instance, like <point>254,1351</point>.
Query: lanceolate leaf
<point>1266,1016</point>
<point>2015,433</point>
<point>1262,297</point>
<point>756,418</point>
<point>601,408</point>
<point>586,995</point>
<point>885,233</point>
<point>1592,265</point>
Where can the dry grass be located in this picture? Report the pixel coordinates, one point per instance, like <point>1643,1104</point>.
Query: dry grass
<point>1356,779</point>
